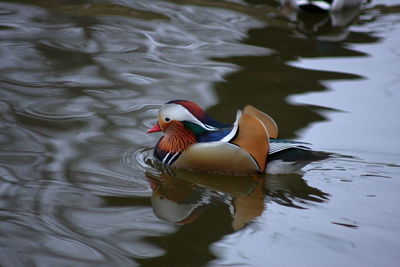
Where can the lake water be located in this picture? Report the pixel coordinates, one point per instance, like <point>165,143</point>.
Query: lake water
<point>81,81</point>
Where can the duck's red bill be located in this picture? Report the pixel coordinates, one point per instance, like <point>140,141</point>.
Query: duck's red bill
<point>155,128</point>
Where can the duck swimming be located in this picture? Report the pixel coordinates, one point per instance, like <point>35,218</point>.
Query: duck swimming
<point>193,140</point>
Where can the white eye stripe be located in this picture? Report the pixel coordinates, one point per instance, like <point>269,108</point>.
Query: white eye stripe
<point>180,113</point>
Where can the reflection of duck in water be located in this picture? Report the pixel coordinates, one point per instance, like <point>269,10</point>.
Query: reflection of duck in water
<point>326,19</point>
<point>182,197</point>
<point>194,140</point>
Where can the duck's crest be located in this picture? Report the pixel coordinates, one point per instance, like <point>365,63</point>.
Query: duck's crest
<point>192,107</point>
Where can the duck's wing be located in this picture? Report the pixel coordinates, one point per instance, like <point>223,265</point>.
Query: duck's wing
<point>290,156</point>
<point>253,137</point>
<point>268,122</point>
<point>294,151</point>
<point>277,145</point>
<point>248,133</point>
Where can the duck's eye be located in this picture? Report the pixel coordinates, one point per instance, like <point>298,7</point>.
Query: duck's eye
<point>167,119</point>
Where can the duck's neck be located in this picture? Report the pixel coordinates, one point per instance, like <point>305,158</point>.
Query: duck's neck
<point>177,139</point>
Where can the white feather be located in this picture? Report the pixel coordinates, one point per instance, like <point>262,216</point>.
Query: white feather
<point>180,113</point>
<point>275,147</point>
<point>232,134</point>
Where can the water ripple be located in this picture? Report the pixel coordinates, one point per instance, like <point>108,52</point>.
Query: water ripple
<point>60,109</point>
<point>80,81</point>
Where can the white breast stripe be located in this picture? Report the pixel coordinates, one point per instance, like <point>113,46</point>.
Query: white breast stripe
<point>169,158</point>
<point>165,158</point>
<point>232,134</point>
<point>173,157</point>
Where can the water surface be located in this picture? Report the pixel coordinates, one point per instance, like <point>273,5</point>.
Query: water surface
<point>81,81</point>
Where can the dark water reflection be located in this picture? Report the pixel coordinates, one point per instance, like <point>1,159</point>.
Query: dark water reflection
<point>181,196</point>
<point>216,205</point>
<point>80,81</point>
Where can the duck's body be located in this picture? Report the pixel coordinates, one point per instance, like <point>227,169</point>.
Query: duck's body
<point>194,140</point>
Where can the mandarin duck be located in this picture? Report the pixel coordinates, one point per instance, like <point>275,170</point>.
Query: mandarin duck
<point>193,140</point>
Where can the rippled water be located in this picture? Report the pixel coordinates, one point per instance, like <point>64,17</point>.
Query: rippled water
<point>81,81</point>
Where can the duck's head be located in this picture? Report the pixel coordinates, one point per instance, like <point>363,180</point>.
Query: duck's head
<point>184,113</point>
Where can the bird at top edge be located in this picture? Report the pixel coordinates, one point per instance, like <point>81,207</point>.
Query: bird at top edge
<point>323,5</point>
<point>193,140</point>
